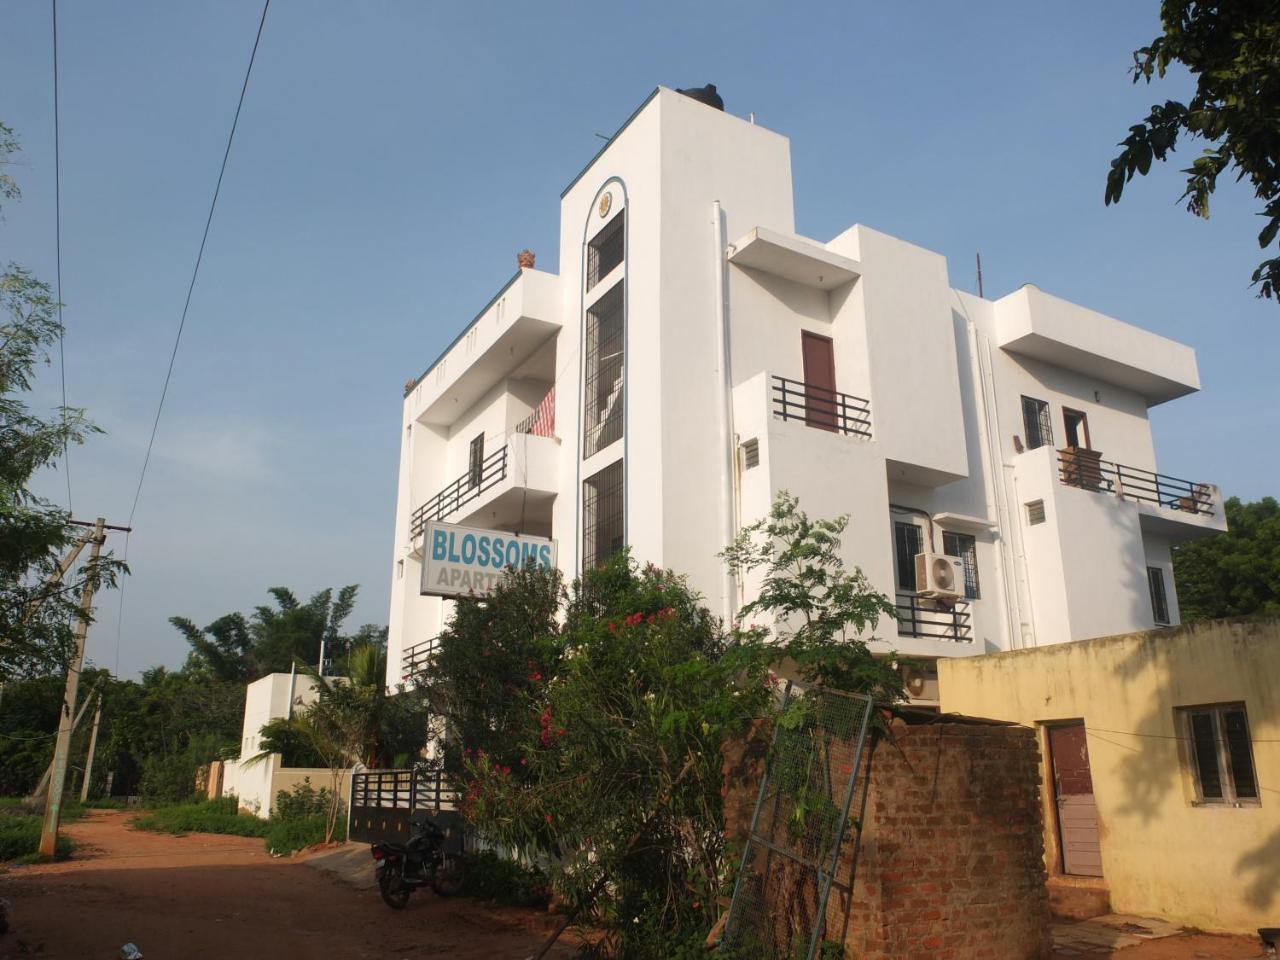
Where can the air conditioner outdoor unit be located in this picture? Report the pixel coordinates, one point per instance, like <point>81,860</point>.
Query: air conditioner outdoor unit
<point>939,576</point>
<point>921,681</point>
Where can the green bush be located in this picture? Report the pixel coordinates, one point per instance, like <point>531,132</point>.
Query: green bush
<point>302,801</point>
<point>202,816</point>
<point>286,836</point>
<point>491,877</point>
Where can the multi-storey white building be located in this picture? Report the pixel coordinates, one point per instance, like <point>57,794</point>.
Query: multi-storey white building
<point>695,356</point>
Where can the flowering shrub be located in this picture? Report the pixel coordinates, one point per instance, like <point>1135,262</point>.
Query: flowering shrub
<point>615,779</point>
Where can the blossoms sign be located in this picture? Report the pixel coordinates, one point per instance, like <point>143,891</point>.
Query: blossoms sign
<point>465,560</point>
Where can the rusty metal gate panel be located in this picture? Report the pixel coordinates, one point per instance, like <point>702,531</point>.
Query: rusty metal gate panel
<point>793,852</point>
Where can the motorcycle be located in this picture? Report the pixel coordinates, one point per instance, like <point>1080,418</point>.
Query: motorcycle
<point>402,868</point>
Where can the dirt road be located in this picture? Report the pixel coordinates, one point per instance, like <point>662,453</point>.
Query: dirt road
<point>224,898</point>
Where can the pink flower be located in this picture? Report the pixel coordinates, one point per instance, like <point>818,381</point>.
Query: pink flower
<point>548,818</point>
<point>535,676</point>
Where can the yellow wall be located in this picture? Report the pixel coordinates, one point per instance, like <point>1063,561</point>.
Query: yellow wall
<point>1217,868</point>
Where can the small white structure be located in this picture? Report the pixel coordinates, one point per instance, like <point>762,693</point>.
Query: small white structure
<point>256,783</point>
<point>695,356</point>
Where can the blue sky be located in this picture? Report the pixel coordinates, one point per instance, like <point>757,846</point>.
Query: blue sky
<point>391,159</point>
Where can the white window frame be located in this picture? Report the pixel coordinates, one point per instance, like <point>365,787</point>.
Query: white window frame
<point>1225,776</point>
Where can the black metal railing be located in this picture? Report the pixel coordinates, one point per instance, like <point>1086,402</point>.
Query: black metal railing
<point>1084,470</point>
<point>934,619</point>
<point>468,487</point>
<point>821,408</point>
<point>415,659</point>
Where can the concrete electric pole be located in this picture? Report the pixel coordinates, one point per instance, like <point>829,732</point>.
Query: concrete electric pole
<point>53,804</point>
<point>93,746</point>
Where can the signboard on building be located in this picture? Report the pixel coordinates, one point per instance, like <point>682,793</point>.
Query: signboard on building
<point>458,560</point>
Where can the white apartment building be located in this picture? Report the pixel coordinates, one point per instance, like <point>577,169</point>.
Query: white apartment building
<point>695,356</point>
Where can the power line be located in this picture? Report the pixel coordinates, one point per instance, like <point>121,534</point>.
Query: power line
<point>57,233</point>
<point>195,273</point>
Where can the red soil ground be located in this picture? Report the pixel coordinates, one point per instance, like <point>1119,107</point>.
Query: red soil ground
<point>206,896</point>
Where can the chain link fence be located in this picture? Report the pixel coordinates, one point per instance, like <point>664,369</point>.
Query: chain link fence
<point>780,908</point>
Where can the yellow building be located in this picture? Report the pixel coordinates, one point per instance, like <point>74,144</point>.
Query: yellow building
<point>1161,763</point>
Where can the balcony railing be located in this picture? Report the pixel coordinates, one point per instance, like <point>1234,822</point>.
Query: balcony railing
<point>470,486</point>
<point>1084,470</point>
<point>821,408</point>
<point>415,659</point>
<point>949,620</point>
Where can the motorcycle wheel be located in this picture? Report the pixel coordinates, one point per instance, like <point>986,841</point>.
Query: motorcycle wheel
<point>449,877</point>
<point>394,892</point>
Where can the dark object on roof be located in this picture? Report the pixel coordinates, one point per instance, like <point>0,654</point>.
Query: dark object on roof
<point>705,95</point>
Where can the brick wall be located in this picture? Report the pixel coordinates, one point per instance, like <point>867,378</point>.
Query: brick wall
<point>951,865</point>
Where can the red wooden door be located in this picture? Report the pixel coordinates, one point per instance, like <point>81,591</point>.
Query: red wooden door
<point>819,380</point>
<point>1073,789</point>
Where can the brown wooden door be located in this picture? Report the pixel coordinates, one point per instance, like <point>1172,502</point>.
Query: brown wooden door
<point>1073,790</point>
<point>819,380</point>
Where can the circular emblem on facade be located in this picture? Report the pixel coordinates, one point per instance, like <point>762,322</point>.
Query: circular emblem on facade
<point>606,201</point>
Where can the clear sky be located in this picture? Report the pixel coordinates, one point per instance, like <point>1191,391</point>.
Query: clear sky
<point>391,159</point>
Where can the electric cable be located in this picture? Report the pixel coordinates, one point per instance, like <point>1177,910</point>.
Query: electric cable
<point>57,234</point>
<point>195,273</point>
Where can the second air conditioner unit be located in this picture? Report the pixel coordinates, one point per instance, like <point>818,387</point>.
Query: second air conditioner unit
<point>939,576</point>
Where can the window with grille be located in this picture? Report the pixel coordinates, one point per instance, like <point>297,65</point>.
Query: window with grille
<point>602,515</point>
<point>1221,753</point>
<point>1036,423</point>
<point>1159,600</point>
<point>907,540</point>
<point>605,250</point>
<point>603,377</point>
<point>1035,512</point>
<point>475,463</point>
<point>966,548</point>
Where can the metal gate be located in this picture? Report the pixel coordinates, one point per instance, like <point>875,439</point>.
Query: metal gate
<point>382,802</point>
<point>793,852</point>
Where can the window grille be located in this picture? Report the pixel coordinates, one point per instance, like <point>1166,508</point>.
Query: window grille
<point>604,371</point>
<point>1037,423</point>
<point>966,548</point>
<point>605,250</point>
<point>1221,754</point>
<point>475,462</point>
<point>907,540</point>
<point>1035,512</point>
<point>603,502</point>
<point>1159,600</point>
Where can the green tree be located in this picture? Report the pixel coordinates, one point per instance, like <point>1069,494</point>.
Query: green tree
<point>274,639</point>
<point>1236,573</point>
<point>37,604</point>
<point>614,779</point>
<point>823,615</point>
<point>491,663</point>
<point>1233,51</point>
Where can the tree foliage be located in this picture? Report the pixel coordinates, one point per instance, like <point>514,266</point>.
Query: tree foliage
<point>1236,573</point>
<point>1233,50</point>
<point>614,778</point>
<point>274,638</point>
<point>491,663</point>
<point>823,615</point>
<point>38,606</point>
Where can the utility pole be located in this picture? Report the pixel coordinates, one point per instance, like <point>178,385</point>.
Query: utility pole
<point>53,805</point>
<point>93,746</point>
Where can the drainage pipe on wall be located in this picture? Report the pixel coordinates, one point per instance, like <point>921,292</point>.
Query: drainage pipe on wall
<point>729,453</point>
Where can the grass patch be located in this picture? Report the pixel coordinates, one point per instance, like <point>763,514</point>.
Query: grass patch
<point>106,803</point>
<point>20,837</point>
<point>203,816</point>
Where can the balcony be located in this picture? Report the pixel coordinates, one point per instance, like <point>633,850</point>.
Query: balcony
<point>1085,470</point>
<point>513,488</point>
<point>820,408</point>
<point>521,318</point>
<point>928,619</point>
<point>415,659</point>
